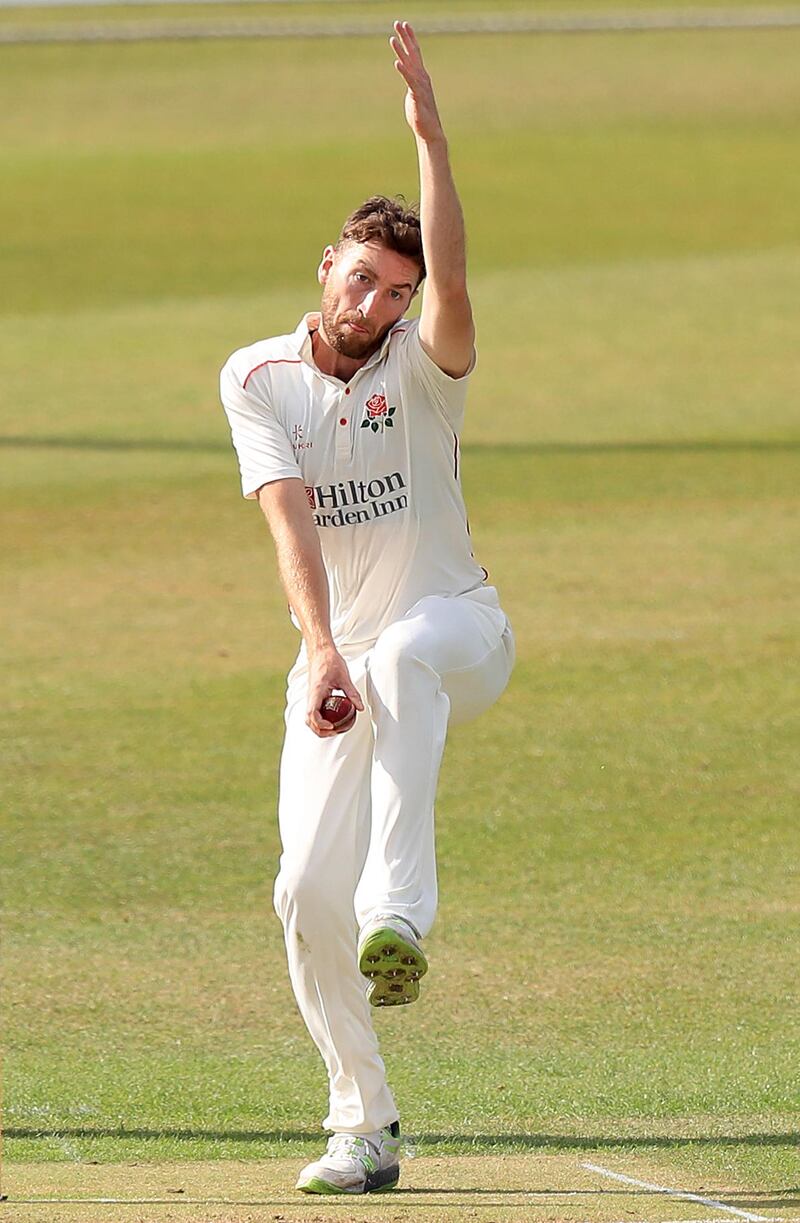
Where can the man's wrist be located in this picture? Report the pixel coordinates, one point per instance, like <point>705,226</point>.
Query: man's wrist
<point>319,646</point>
<point>434,144</point>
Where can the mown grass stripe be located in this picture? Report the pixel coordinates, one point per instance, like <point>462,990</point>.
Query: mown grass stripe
<point>621,23</point>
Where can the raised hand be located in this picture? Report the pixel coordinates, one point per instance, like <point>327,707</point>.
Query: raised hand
<point>421,112</point>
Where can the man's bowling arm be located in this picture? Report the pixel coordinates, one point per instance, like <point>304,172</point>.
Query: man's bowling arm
<point>302,571</point>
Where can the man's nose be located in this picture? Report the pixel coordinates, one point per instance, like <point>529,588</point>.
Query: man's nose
<point>367,303</point>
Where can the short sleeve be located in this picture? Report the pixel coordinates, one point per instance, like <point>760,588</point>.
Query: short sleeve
<point>259,439</point>
<point>447,394</point>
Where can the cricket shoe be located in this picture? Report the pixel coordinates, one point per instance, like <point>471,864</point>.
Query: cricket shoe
<point>356,1163</point>
<point>390,957</point>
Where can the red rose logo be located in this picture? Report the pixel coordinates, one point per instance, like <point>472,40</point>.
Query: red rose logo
<point>378,414</point>
<point>377,406</point>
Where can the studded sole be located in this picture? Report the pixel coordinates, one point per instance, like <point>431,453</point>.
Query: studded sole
<point>393,968</point>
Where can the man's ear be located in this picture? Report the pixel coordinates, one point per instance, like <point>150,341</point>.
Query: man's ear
<point>326,263</point>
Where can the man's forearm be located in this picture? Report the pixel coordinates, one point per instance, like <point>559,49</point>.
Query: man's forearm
<point>441,219</point>
<point>300,563</point>
<point>304,580</point>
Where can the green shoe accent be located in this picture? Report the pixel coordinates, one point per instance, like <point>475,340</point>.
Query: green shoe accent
<point>318,1185</point>
<point>393,967</point>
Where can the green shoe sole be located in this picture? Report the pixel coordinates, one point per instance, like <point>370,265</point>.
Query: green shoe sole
<point>318,1185</point>
<point>392,966</point>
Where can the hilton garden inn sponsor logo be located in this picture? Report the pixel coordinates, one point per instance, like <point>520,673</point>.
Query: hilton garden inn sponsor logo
<point>351,502</point>
<point>377,414</point>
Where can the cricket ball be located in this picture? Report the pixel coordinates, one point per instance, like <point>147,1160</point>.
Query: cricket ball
<point>340,711</point>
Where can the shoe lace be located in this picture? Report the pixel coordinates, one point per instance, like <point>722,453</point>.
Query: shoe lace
<point>349,1146</point>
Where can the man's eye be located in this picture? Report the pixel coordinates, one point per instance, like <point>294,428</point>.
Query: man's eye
<point>360,276</point>
<point>395,295</point>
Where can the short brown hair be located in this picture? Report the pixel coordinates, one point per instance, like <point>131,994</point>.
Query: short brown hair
<point>392,223</point>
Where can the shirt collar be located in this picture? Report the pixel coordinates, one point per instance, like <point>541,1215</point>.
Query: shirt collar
<point>310,322</point>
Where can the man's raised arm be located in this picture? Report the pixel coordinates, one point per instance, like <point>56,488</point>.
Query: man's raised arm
<point>446,329</point>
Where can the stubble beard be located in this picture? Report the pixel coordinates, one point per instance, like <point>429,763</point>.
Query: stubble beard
<point>341,338</point>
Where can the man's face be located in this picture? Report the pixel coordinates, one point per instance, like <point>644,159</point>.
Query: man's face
<point>366,288</point>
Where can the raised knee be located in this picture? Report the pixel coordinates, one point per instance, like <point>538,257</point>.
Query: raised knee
<point>396,652</point>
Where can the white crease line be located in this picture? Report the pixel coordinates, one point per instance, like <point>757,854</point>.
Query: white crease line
<point>681,1193</point>
<point>180,1200</point>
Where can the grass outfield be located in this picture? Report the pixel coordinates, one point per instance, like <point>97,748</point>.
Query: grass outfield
<point>335,13</point>
<point>617,839</point>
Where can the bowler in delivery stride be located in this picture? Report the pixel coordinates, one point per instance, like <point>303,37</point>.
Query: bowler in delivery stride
<point>346,433</point>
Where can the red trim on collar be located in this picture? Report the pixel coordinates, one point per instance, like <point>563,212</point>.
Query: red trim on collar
<point>274,361</point>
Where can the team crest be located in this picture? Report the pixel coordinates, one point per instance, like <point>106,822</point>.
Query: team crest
<point>378,414</point>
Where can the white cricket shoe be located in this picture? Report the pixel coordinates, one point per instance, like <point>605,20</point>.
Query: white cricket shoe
<point>356,1163</point>
<point>390,957</point>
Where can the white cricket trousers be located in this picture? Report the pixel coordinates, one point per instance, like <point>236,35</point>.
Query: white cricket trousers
<point>356,821</point>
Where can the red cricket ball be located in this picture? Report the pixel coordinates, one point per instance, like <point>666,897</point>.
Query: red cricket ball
<point>339,710</point>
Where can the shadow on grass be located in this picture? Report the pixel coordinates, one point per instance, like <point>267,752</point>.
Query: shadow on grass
<point>687,446</point>
<point>749,1200</point>
<point>520,1142</point>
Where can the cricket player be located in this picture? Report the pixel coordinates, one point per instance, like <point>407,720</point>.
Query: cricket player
<point>346,433</point>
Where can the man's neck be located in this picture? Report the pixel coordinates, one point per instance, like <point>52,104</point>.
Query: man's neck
<point>329,361</point>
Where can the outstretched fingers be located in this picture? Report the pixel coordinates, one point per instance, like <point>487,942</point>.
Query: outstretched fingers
<point>420,104</point>
<point>406,40</point>
<point>408,57</point>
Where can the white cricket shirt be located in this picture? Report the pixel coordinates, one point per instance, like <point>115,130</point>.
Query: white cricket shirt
<point>379,459</point>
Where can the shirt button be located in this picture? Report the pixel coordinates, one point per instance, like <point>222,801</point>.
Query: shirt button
<point>347,390</point>
<point>343,420</point>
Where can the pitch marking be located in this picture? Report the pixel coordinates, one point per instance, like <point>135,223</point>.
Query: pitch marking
<point>182,1201</point>
<point>682,1193</point>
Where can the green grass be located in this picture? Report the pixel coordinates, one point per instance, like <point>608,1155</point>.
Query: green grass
<point>169,169</point>
<point>325,13</point>
<point>617,837</point>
